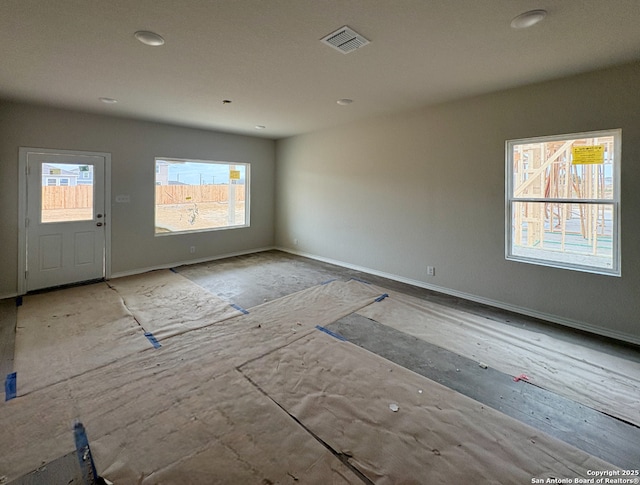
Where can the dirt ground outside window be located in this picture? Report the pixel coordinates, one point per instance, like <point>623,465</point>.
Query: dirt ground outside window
<point>197,216</point>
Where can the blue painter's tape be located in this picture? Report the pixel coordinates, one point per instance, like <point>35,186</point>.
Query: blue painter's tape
<point>382,297</point>
<point>329,332</point>
<point>239,308</point>
<point>80,435</point>
<point>18,301</point>
<point>361,281</point>
<point>329,281</point>
<point>173,269</point>
<point>153,340</point>
<point>10,386</point>
<point>85,458</point>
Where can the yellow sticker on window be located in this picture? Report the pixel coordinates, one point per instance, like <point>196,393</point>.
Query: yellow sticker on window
<point>234,174</point>
<point>55,171</point>
<point>588,155</point>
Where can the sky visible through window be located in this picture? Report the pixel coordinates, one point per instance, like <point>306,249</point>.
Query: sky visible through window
<point>200,173</point>
<point>71,166</point>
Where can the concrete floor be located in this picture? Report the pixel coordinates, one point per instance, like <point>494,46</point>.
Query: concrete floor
<point>253,279</point>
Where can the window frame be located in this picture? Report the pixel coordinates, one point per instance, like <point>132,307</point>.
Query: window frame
<point>247,185</point>
<point>510,200</point>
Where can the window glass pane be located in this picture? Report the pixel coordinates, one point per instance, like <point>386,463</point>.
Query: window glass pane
<point>196,196</point>
<point>571,234</point>
<point>581,168</point>
<point>66,196</point>
<point>563,201</point>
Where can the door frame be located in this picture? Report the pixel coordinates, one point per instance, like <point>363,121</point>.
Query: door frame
<point>22,208</point>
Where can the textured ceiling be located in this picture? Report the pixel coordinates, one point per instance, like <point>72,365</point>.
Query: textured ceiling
<point>266,55</point>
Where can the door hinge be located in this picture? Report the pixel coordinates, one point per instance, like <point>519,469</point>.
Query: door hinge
<point>26,222</point>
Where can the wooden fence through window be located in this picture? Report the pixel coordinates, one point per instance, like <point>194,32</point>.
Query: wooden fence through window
<point>181,194</point>
<point>81,196</point>
<point>67,197</point>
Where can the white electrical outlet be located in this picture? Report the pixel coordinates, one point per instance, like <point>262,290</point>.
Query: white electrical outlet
<point>192,249</point>
<point>295,242</point>
<point>431,270</point>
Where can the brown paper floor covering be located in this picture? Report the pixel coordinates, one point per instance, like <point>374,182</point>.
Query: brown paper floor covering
<point>167,304</point>
<point>604,382</point>
<point>216,404</point>
<point>67,332</point>
<point>152,415</point>
<point>344,395</point>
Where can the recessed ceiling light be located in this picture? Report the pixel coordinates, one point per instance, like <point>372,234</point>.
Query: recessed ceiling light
<point>528,19</point>
<point>344,101</point>
<point>260,127</point>
<point>149,38</point>
<point>108,100</point>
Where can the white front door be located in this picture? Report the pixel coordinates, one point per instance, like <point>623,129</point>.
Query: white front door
<point>65,219</point>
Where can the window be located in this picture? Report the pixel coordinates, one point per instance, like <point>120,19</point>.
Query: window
<point>195,195</point>
<point>563,201</point>
<point>64,201</point>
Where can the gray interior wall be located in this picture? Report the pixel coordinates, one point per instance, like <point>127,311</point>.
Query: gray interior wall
<point>426,187</point>
<point>133,146</point>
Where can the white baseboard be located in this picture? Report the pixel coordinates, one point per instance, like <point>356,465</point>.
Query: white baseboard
<point>169,265</point>
<point>625,337</point>
<point>132,272</point>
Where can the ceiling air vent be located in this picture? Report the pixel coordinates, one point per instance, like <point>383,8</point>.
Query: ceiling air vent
<point>345,40</point>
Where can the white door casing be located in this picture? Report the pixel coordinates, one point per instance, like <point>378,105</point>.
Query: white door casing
<point>61,246</point>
